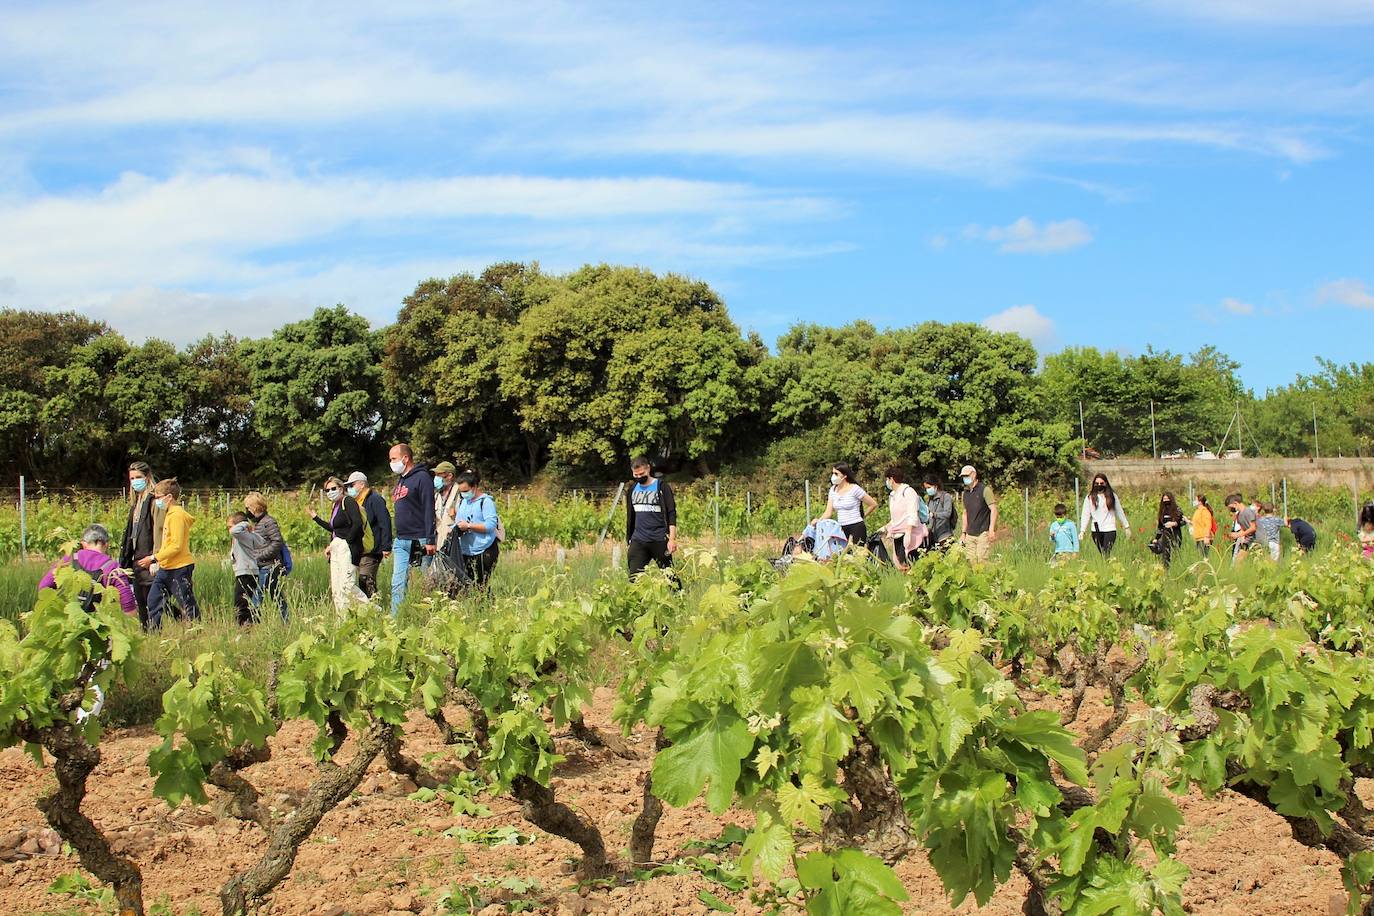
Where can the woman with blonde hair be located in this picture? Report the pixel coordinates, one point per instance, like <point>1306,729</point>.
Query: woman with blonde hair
<point>142,533</point>
<point>271,558</point>
<point>345,526</point>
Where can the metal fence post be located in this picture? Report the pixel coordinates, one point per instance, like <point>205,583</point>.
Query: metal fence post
<point>807,482</point>
<point>748,517</point>
<point>23,521</point>
<point>1027,505</point>
<point>1285,498</point>
<point>717,512</point>
<point>610,515</point>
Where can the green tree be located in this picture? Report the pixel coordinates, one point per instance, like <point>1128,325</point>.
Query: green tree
<point>442,362</point>
<point>620,360</point>
<point>216,427</point>
<point>30,344</point>
<point>316,390</point>
<point>935,395</point>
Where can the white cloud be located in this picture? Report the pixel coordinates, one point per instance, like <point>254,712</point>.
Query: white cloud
<point>1237,307</point>
<point>1347,291</point>
<point>1026,320</point>
<point>1026,237</point>
<point>251,245</point>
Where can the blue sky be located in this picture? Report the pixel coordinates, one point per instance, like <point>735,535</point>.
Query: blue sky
<point>1163,172</point>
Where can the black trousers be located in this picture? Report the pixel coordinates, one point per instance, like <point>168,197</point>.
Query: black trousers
<point>857,532</point>
<point>907,554</point>
<point>641,552</point>
<point>479,566</point>
<point>142,581</point>
<point>244,587</point>
<point>1104,541</point>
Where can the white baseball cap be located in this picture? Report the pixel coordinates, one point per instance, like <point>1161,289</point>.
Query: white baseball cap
<point>967,469</point>
<point>357,477</point>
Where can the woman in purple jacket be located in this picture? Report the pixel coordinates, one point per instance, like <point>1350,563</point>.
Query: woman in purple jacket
<point>94,559</point>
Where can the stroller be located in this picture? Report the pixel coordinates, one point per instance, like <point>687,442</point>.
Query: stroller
<point>822,541</point>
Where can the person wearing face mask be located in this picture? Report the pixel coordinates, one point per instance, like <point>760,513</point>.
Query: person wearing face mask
<point>478,527</point>
<point>940,506</point>
<point>651,520</point>
<point>1168,528</point>
<point>376,530</point>
<point>1101,513</point>
<point>271,557</point>
<point>412,506</point>
<point>1243,527</point>
<point>447,497</point>
<point>846,503</point>
<point>345,526</point>
<point>906,529</point>
<point>1203,524</point>
<point>176,565</point>
<point>980,515</point>
<point>142,534</point>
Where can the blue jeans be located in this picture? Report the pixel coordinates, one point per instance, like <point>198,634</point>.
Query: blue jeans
<point>177,584</point>
<point>401,550</point>
<point>269,587</point>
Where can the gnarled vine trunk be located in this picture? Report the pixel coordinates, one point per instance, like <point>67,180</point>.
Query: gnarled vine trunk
<point>333,786</point>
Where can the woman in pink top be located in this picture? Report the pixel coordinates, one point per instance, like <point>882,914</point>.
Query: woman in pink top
<point>906,529</point>
<point>94,559</point>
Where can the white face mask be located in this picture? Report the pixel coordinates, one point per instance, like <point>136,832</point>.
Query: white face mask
<point>835,480</point>
<point>397,466</point>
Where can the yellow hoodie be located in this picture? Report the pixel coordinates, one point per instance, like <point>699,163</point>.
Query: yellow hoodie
<point>175,551</point>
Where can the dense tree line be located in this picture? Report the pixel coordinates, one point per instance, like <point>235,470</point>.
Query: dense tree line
<point>526,373</point>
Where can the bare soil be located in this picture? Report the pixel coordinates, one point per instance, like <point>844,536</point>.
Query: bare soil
<point>382,853</point>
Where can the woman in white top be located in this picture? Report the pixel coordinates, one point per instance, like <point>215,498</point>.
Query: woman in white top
<point>1102,510</point>
<point>846,503</point>
<point>906,529</point>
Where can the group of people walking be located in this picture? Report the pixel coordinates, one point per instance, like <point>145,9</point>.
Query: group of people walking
<point>439,521</point>
<point>1254,525</point>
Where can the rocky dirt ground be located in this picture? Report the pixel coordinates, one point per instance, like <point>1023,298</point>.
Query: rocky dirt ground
<point>383,853</point>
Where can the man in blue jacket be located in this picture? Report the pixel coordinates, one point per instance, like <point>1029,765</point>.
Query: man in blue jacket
<point>412,504</point>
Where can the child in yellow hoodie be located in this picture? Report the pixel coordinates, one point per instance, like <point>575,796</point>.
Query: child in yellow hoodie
<point>172,565</point>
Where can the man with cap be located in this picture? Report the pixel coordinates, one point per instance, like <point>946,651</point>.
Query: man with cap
<point>980,515</point>
<point>376,533</point>
<point>446,500</point>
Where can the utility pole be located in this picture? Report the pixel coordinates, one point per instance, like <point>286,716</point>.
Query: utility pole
<point>1316,443</point>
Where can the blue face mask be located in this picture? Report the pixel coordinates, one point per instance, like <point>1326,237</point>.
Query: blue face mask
<point>469,496</point>
<point>930,491</point>
<point>438,483</point>
<point>352,492</point>
<point>161,504</point>
<point>139,484</point>
<point>968,481</point>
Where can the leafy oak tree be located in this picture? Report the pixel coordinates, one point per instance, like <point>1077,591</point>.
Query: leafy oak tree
<point>935,396</point>
<point>621,360</point>
<point>316,393</point>
<point>30,344</point>
<point>442,362</point>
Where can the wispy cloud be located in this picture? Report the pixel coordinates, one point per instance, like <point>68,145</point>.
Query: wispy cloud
<point>1347,291</point>
<point>1026,320</point>
<point>1321,13</point>
<point>1025,236</point>
<point>270,239</point>
<point>1237,307</point>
